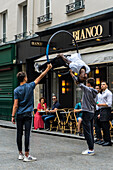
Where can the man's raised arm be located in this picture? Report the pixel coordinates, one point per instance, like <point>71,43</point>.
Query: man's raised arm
<point>37,80</point>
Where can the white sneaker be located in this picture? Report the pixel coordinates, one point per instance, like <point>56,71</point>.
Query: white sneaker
<point>29,158</point>
<point>88,152</point>
<point>21,156</point>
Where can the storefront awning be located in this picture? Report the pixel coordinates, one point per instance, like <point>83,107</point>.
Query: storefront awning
<point>91,55</point>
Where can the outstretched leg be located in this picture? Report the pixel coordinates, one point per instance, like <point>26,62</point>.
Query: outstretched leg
<point>64,58</point>
<point>56,62</point>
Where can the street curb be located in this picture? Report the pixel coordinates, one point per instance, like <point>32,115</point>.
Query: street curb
<point>58,134</point>
<point>7,124</point>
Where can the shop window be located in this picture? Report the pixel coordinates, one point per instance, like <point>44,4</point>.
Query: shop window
<point>97,81</point>
<point>63,90</point>
<point>63,87</point>
<point>66,91</point>
<point>99,73</point>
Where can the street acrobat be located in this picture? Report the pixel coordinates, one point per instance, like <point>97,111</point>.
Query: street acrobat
<point>73,62</point>
<point>77,65</point>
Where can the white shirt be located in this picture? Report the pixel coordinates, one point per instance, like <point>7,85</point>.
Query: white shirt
<point>106,98</point>
<point>98,100</point>
<point>77,63</point>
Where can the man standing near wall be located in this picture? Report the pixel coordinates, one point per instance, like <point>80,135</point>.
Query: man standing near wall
<point>105,112</point>
<point>23,107</point>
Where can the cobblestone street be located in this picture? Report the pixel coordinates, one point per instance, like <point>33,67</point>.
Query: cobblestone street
<point>55,153</point>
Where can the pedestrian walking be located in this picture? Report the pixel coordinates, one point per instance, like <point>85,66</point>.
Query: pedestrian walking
<point>23,107</point>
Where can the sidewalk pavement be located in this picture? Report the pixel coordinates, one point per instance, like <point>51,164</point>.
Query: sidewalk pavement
<point>9,124</point>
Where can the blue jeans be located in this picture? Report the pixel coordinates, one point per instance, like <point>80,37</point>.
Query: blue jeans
<point>23,119</point>
<point>46,119</point>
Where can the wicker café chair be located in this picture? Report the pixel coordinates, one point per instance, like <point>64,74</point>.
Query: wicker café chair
<point>71,122</point>
<point>56,123</point>
<point>111,129</point>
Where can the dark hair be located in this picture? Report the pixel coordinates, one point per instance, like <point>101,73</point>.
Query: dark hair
<point>54,96</point>
<point>97,85</point>
<point>83,67</point>
<point>91,81</point>
<point>104,82</point>
<point>42,98</point>
<point>21,75</point>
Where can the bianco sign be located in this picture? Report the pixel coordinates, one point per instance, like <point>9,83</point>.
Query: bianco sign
<point>88,33</point>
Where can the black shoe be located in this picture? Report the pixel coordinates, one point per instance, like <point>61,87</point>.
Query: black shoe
<point>97,142</point>
<point>101,143</point>
<point>107,144</point>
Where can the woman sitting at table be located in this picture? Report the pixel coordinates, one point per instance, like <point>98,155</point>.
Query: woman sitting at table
<point>38,121</point>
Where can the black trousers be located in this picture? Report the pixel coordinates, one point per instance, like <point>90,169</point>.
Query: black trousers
<point>87,120</point>
<point>106,132</point>
<point>97,124</point>
<point>23,119</point>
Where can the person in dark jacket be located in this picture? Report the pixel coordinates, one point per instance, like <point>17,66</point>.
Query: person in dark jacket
<point>88,109</point>
<point>51,113</point>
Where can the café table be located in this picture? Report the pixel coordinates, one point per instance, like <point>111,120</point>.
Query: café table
<point>42,112</point>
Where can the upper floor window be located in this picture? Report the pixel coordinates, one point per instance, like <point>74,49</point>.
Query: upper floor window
<point>4,27</point>
<point>46,16</point>
<point>47,6</point>
<point>24,20</point>
<point>21,21</point>
<point>74,6</point>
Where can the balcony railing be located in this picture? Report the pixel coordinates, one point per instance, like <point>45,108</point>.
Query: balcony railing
<point>79,4</point>
<point>20,36</point>
<point>3,40</point>
<point>44,18</point>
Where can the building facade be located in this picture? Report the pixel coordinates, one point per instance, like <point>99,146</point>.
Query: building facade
<point>29,25</point>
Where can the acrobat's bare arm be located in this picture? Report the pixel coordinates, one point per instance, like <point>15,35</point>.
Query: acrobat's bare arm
<point>64,58</point>
<point>74,77</point>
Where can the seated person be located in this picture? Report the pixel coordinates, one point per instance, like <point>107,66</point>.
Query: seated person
<point>74,62</point>
<point>51,113</point>
<point>78,110</point>
<point>38,121</point>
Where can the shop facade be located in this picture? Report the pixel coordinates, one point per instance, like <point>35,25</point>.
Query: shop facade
<point>94,37</point>
<point>8,71</point>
